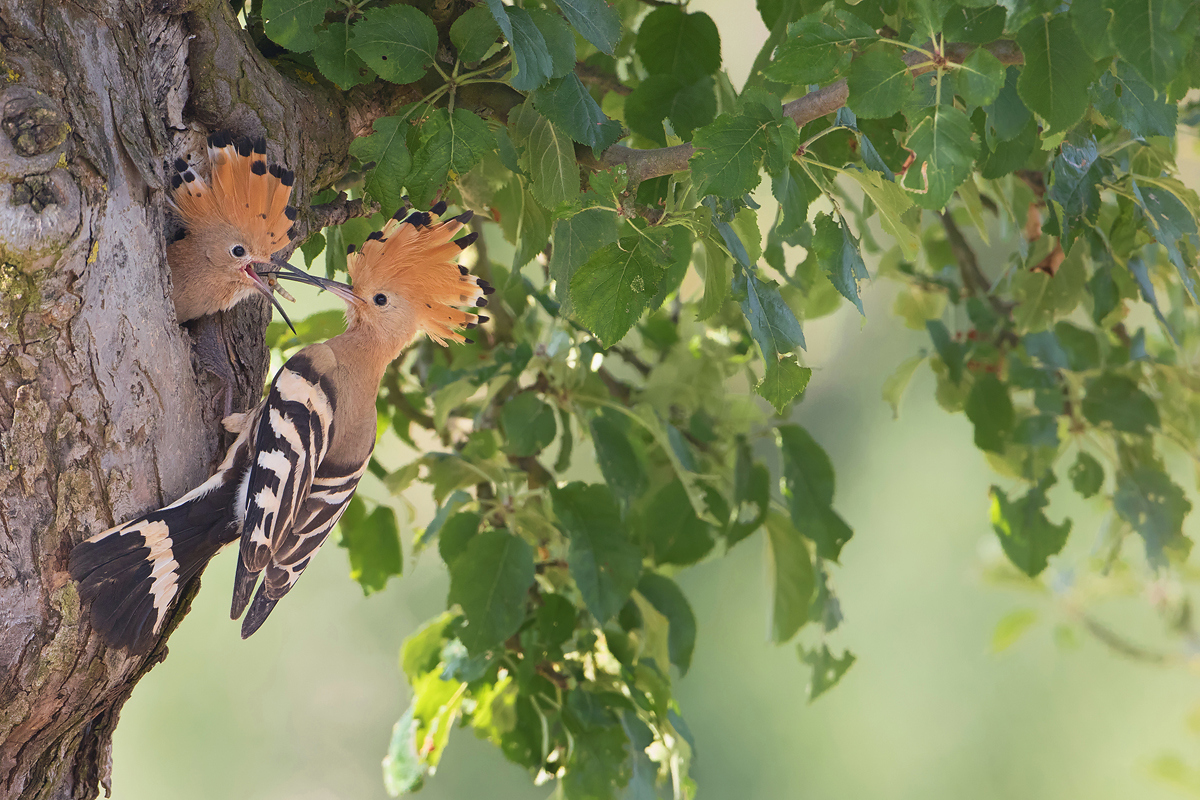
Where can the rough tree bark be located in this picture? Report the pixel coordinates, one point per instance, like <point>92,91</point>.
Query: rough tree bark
<point>103,414</point>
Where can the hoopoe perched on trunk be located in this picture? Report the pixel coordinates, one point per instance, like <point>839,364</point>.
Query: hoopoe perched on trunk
<point>234,221</point>
<point>299,455</point>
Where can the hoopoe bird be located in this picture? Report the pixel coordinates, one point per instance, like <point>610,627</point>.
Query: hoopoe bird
<point>299,455</point>
<point>233,222</point>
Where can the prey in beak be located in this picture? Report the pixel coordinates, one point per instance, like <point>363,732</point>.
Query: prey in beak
<point>279,269</point>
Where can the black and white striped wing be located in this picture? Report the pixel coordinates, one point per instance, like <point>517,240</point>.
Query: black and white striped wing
<point>327,500</point>
<point>290,442</point>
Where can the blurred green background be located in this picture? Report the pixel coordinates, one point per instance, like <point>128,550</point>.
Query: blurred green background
<point>304,709</point>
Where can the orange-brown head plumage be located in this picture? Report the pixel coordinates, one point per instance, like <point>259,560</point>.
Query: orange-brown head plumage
<point>234,218</point>
<point>406,279</point>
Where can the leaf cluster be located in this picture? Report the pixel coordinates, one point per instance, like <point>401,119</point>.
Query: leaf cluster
<point>623,416</point>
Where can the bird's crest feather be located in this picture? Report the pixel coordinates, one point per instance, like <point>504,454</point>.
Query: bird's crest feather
<point>416,256</point>
<point>241,189</point>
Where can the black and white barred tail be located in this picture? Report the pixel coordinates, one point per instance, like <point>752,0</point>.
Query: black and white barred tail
<point>130,575</point>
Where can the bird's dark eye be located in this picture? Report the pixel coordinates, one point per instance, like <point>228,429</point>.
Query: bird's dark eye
<point>381,299</point>
<point>237,251</point>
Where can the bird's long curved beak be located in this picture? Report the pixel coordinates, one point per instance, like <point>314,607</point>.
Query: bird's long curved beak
<point>285,271</point>
<point>265,288</point>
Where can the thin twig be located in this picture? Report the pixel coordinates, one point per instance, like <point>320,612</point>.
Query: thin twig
<point>645,164</point>
<point>975,283</point>
<point>340,210</point>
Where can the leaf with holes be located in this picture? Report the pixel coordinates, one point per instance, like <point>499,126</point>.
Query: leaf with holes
<point>612,289</point>
<point>398,42</point>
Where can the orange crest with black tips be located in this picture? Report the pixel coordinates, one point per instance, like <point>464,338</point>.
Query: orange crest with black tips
<point>242,190</point>
<point>417,258</point>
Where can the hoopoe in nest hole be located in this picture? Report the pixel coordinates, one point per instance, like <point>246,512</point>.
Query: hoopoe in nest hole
<point>299,455</point>
<point>234,221</point>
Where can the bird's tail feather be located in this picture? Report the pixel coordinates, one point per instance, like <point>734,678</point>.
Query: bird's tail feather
<point>131,574</point>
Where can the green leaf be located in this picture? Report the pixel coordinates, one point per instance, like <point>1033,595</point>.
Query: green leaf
<point>490,580</point>
<point>1027,536</point>
<point>560,40</point>
<point>1011,627</point>
<point>291,23</point>
<point>474,33</point>
<point>337,61</point>
<point>374,545</point>
<point>618,462</point>
<point>386,147</point>
<point>991,412</point>
<point>403,770</point>
<point>794,581</point>
<point>598,767</point>
<point>980,78</point>
<point>575,239</point>
<point>974,25</point>
<point>718,274</point>
<point>751,497</point>
<point>1091,19</point>
<point>534,63</point>
<point>604,563</point>
<point>529,424</point>
<point>812,53</point>
<point>1075,191</point>
<point>567,103</point>
<point>455,533</point>
<point>450,146</point>
<point>794,190</point>
<point>891,202</point>
<point>548,156</point>
<point>312,247</point>
<point>1150,501</point>
<point>421,651</point>
<point>1150,36</point>
<point>673,42</point>
<point>1057,71</point>
<point>1117,400</point>
<point>1171,222</point>
<point>827,671</point>
<point>1041,299</point>
<point>773,324</point>
<point>880,83</point>
<point>595,20</point>
<point>1007,116</point>
<point>670,529</point>
<point>897,383</point>
<point>1126,98</point>
<point>525,223</point>
<point>783,382</point>
<point>837,250</point>
<point>398,42</point>
<point>666,596</point>
<point>945,153</point>
<point>1087,476</point>
<point>659,97</point>
<point>808,486</point>
<point>730,151</point>
<point>611,290</point>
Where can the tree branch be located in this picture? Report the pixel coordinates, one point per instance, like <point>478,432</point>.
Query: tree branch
<point>338,211</point>
<point>975,283</point>
<point>645,164</point>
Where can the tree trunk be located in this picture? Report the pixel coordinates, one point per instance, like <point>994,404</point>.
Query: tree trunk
<point>103,413</point>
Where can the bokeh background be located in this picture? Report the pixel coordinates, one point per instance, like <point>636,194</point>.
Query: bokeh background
<point>931,710</point>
